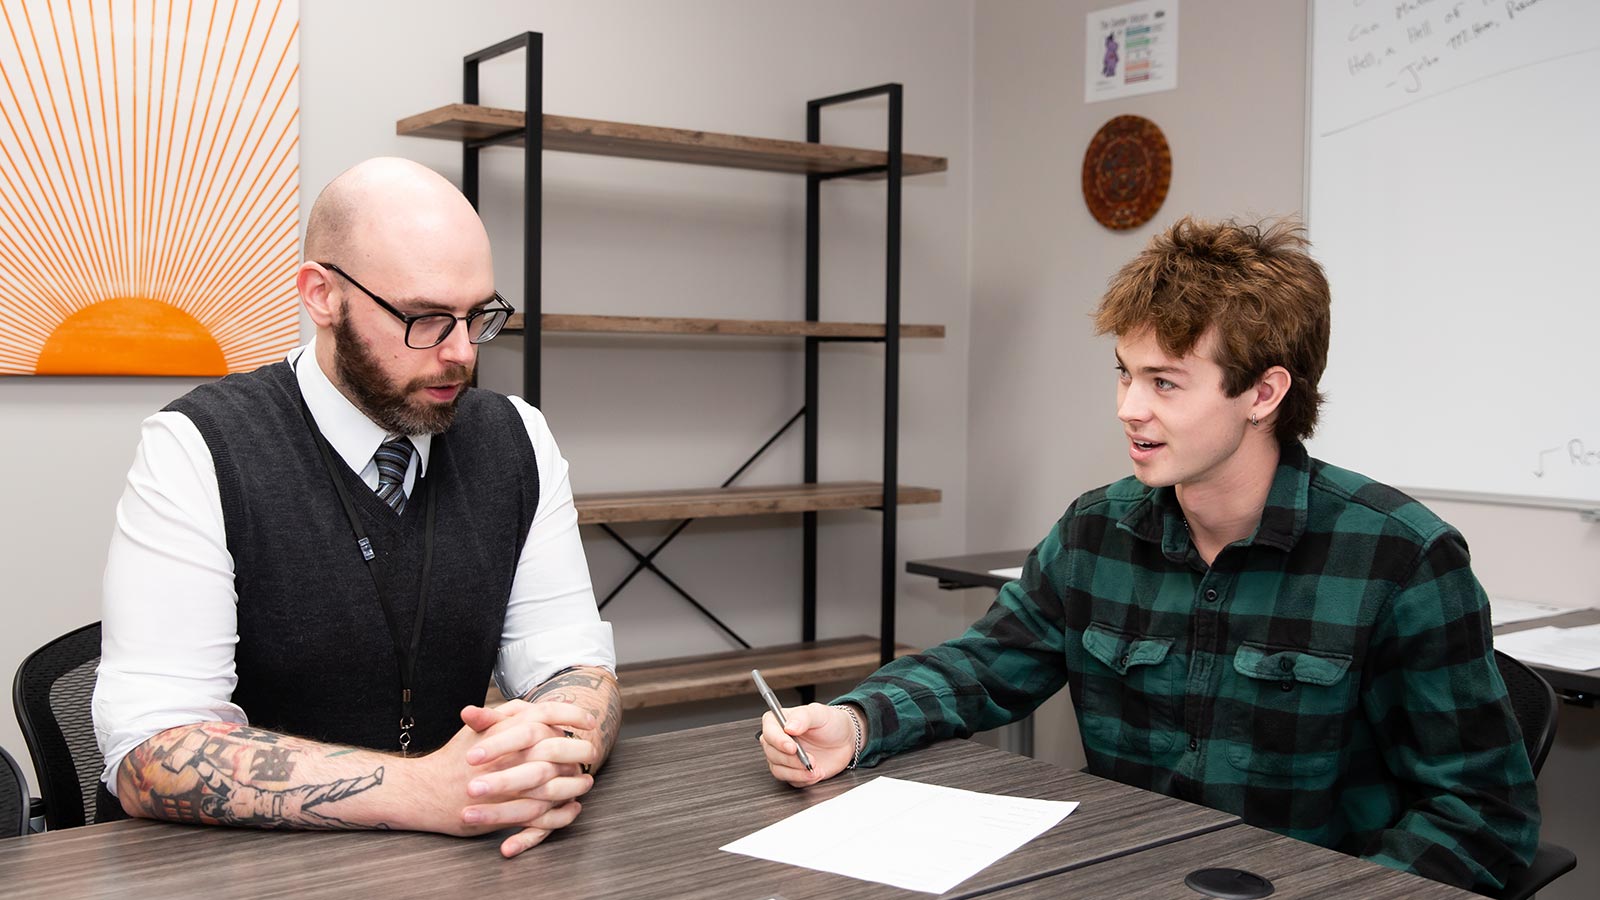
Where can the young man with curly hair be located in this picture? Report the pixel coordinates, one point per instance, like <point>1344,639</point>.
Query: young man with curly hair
<point>1239,624</point>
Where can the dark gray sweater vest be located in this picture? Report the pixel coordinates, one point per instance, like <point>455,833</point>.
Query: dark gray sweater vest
<point>315,657</point>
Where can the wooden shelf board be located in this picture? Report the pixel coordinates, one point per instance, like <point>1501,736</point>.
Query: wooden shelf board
<point>708,677</point>
<point>701,503</point>
<point>468,122</point>
<point>575,324</point>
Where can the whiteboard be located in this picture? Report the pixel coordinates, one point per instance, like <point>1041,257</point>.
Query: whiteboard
<point>1454,199</point>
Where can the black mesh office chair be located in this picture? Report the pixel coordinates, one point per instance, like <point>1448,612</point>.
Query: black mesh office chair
<point>1535,705</point>
<point>52,692</point>
<point>13,797</point>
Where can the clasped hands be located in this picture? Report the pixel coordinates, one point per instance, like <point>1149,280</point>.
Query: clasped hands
<point>513,766</point>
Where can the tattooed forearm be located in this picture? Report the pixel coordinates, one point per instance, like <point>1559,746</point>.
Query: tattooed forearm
<point>575,677</point>
<point>272,764</point>
<point>224,774</point>
<point>595,690</point>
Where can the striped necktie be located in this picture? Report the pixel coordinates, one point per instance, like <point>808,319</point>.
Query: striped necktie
<point>393,457</point>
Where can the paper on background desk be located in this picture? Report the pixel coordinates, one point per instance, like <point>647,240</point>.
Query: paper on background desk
<point>1565,648</point>
<point>1504,611</point>
<point>1013,573</point>
<point>920,837</point>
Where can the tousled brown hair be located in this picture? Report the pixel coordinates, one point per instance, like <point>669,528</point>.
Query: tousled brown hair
<point>1257,285</point>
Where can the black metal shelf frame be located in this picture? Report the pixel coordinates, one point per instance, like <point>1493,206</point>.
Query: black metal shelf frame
<point>891,357</point>
<point>531,135</point>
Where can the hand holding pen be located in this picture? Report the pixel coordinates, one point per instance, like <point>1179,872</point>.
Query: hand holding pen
<point>826,732</point>
<point>777,713</point>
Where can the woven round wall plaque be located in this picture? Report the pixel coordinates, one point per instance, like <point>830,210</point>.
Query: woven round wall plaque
<point>1126,172</point>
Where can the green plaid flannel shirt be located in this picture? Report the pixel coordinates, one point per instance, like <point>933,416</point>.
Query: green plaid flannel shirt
<point>1330,678</point>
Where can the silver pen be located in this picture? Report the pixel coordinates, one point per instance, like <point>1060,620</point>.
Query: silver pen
<point>777,712</point>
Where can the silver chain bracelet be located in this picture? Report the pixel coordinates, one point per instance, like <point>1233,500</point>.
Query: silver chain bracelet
<point>855,723</point>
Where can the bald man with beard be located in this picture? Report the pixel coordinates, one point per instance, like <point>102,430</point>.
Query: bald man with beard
<point>318,566</point>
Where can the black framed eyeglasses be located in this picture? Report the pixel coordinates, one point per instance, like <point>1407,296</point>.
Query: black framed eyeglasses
<point>430,329</point>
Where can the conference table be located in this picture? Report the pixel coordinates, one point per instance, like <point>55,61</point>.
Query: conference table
<point>652,826</point>
<point>1295,869</point>
<point>973,570</point>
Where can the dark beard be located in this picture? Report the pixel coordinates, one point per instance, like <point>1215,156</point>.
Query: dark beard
<point>373,394</point>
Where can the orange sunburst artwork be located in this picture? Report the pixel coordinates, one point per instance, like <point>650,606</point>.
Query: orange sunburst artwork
<point>149,185</point>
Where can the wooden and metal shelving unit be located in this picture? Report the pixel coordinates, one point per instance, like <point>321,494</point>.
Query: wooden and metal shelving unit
<point>810,661</point>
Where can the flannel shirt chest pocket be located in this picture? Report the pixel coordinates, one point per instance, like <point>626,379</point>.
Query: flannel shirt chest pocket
<point>1284,710</point>
<point>1129,692</point>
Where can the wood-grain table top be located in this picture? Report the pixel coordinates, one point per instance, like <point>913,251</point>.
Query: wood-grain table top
<point>1297,871</point>
<point>651,827</point>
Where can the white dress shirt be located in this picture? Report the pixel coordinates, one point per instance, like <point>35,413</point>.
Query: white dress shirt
<point>169,618</point>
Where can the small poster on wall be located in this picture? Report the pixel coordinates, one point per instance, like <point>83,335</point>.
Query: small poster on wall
<point>1132,49</point>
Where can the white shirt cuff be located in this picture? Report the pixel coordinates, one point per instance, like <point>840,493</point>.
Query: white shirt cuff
<point>114,745</point>
<point>528,663</point>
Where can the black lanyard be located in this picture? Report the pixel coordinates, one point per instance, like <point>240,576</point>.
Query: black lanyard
<point>405,657</point>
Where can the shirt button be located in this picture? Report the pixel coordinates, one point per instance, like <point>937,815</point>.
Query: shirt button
<point>1286,685</point>
<point>1285,663</point>
<point>1194,744</point>
<point>1211,594</point>
<point>1125,661</point>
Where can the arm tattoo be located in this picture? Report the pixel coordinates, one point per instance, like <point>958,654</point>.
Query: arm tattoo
<point>216,767</point>
<point>589,688</point>
<point>271,764</point>
<point>566,678</point>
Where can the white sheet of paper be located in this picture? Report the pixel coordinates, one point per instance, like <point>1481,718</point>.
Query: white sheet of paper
<point>1013,572</point>
<point>920,837</point>
<point>1504,610</point>
<point>1566,648</point>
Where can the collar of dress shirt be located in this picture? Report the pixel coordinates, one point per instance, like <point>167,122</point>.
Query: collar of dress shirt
<point>351,434</point>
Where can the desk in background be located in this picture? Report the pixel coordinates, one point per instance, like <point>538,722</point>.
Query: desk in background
<point>970,571</point>
<point>1574,686</point>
